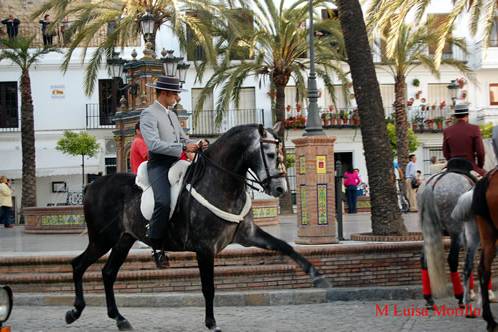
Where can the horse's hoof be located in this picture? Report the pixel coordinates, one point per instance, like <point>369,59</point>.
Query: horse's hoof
<point>321,282</point>
<point>71,316</point>
<point>124,325</point>
<point>216,329</point>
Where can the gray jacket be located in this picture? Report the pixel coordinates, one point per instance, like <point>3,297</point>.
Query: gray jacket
<point>161,131</point>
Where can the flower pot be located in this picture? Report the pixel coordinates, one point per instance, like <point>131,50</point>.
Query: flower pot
<point>439,125</point>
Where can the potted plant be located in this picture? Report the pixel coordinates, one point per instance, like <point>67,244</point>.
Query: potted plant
<point>344,116</point>
<point>326,118</point>
<point>355,118</point>
<point>289,122</point>
<point>416,83</point>
<point>429,123</point>
<point>439,122</point>
<point>461,82</point>
<point>300,121</point>
<point>333,117</point>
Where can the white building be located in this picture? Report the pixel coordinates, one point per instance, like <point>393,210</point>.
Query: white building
<point>60,104</point>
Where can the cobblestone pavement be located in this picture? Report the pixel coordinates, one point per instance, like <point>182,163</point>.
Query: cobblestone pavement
<point>338,316</point>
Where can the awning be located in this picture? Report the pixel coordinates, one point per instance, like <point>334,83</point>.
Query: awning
<point>49,162</point>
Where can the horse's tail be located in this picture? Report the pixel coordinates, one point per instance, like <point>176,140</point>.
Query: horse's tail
<point>433,242</point>
<point>463,208</point>
<point>479,203</point>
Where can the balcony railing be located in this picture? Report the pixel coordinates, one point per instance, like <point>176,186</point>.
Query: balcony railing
<point>207,126</point>
<point>99,116</point>
<point>60,36</point>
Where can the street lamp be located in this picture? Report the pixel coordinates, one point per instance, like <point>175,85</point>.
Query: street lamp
<point>147,24</point>
<point>182,71</point>
<point>313,124</point>
<point>170,62</point>
<point>453,87</point>
<point>116,65</point>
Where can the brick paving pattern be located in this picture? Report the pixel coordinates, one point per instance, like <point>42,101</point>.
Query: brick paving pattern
<point>339,316</point>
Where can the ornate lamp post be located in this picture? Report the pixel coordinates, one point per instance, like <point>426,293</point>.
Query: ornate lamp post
<point>137,73</point>
<point>453,87</point>
<point>313,124</point>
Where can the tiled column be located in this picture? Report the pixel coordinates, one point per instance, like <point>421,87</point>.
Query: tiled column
<point>315,194</point>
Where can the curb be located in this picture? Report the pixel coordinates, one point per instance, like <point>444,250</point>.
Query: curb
<point>247,298</point>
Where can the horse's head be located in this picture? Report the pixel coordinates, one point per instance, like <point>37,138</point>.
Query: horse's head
<point>266,160</point>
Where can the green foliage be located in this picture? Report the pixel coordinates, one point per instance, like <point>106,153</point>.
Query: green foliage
<point>290,160</point>
<point>78,144</point>
<point>413,142</point>
<point>20,51</point>
<point>487,130</point>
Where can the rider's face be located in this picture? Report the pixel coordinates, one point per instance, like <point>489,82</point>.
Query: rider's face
<point>169,98</point>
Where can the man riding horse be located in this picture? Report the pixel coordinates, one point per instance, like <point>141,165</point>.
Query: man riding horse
<point>463,148</point>
<point>464,140</point>
<point>166,142</point>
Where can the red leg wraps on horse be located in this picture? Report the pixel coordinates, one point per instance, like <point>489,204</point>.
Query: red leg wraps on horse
<point>457,284</point>
<point>426,283</point>
<point>471,281</point>
<point>490,285</point>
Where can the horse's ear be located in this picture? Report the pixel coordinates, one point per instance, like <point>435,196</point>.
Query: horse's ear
<point>262,130</point>
<point>277,126</point>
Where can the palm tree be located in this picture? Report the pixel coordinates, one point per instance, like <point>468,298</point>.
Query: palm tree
<point>275,45</point>
<point>121,19</point>
<point>18,52</point>
<point>386,215</point>
<point>411,51</point>
<point>392,14</point>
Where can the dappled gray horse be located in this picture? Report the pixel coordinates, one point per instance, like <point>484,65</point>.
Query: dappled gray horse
<point>114,221</point>
<point>437,200</point>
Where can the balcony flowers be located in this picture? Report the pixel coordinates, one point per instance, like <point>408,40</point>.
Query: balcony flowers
<point>439,122</point>
<point>429,123</point>
<point>326,119</point>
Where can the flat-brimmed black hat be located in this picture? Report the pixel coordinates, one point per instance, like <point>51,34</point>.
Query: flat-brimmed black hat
<point>167,83</point>
<point>461,109</point>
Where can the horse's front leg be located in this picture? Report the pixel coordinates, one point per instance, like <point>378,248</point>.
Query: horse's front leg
<point>488,246</point>
<point>249,234</point>
<point>205,260</point>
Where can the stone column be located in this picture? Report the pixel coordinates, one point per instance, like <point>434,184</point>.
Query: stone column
<point>315,193</point>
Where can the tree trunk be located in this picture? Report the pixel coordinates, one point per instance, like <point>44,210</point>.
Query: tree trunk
<point>286,199</point>
<point>401,122</point>
<point>28,143</point>
<point>386,215</point>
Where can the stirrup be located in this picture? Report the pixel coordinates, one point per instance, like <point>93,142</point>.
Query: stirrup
<point>160,258</point>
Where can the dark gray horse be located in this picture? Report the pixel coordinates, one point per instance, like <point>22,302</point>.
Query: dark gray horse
<point>437,200</point>
<point>114,221</point>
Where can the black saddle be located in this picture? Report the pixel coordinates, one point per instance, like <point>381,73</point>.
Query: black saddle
<point>461,166</point>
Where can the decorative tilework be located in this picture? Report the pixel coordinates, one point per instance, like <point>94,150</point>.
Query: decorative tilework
<point>322,204</point>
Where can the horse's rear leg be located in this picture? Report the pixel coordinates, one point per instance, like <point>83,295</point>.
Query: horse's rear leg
<point>456,242</point>
<point>92,253</point>
<point>472,243</point>
<point>109,273</point>
<point>206,268</point>
<point>252,235</point>
<point>488,236</point>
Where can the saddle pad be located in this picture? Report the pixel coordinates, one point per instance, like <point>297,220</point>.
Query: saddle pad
<point>175,176</point>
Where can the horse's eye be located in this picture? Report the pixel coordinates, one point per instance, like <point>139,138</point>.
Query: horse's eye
<point>271,155</point>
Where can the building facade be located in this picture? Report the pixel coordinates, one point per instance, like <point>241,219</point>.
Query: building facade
<point>61,104</point>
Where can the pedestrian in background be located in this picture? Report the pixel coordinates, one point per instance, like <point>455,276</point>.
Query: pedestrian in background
<point>5,203</point>
<point>351,181</point>
<point>45,29</point>
<point>12,25</point>
<point>411,183</point>
<point>138,151</point>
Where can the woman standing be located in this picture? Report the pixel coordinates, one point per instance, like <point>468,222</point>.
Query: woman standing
<point>5,203</point>
<point>351,181</point>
